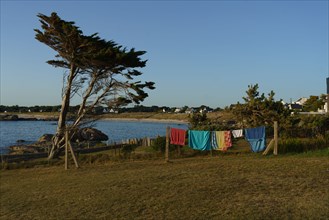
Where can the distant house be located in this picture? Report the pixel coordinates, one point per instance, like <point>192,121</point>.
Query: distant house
<point>324,109</point>
<point>295,107</point>
<point>190,111</point>
<point>301,101</point>
<point>205,110</point>
<point>178,110</point>
<point>115,111</point>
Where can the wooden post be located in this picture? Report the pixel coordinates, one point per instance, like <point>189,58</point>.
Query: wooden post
<point>275,151</point>
<point>269,147</point>
<point>73,155</point>
<point>66,150</point>
<point>167,144</point>
<point>67,146</point>
<point>327,97</point>
<point>179,150</point>
<point>148,142</point>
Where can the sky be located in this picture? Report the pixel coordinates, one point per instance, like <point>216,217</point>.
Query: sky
<point>198,52</point>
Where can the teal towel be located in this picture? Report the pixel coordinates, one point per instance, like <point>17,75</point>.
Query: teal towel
<point>199,140</point>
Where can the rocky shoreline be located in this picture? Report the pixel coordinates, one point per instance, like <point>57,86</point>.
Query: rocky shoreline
<point>14,117</point>
<point>84,136</point>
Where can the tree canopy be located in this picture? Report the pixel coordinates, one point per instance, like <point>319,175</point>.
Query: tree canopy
<point>259,109</point>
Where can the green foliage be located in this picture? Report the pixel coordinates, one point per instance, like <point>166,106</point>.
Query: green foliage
<point>299,145</point>
<point>258,109</point>
<point>313,104</point>
<point>159,144</point>
<point>198,120</point>
<point>128,148</point>
<point>104,67</point>
<point>305,126</point>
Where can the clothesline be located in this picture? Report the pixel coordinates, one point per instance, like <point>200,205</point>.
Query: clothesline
<point>218,140</point>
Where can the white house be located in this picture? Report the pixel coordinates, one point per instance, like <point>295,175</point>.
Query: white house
<point>325,108</point>
<point>301,101</point>
<point>190,111</point>
<point>178,110</point>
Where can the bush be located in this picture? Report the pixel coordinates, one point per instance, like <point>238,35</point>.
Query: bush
<point>127,149</point>
<point>159,144</point>
<point>300,145</point>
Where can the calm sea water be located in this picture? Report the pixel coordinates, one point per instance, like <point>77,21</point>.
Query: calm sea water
<point>31,131</point>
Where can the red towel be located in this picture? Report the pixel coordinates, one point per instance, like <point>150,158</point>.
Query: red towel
<point>228,140</point>
<point>177,136</point>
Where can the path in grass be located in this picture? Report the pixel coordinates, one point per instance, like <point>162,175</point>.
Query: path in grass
<point>235,186</point>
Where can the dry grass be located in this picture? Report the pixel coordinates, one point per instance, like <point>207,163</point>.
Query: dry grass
<point>135,115</point>
<point>148,116</point>
<point>246,186</point>
<point>167,116</point>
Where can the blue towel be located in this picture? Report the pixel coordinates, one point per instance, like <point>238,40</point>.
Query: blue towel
<point>256,138</point>
<point>199,140</point>
<point>214,144</point>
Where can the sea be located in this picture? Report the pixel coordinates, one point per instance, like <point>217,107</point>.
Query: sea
<point>116,130</point>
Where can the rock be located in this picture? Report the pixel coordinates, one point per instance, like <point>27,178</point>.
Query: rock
<point>9,118</point>
<point>46,138</point>
<point>20,141</point>
<point>90,134</point>
<point>44,142</point>
<point>22,149</point>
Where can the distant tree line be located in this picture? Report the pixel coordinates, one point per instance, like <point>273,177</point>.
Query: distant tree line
<point>36,108</point>
<point>101,109</point>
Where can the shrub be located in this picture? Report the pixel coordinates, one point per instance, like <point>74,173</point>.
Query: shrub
<point>126,149</point>
<point>300,145</point>
<point>159,144</point>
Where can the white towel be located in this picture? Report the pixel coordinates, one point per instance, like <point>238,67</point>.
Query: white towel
<point>237,133</point>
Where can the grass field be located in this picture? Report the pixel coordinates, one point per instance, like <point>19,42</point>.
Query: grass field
<point>241,186</point>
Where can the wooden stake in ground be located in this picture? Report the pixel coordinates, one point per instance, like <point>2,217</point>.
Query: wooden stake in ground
<point>67,146</point>
<point>274,142</point>
<point>269,147</point>
<point>167,144</point>
<point>275,151</point>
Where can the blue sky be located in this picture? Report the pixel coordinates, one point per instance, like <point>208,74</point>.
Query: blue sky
<point>198,52</point>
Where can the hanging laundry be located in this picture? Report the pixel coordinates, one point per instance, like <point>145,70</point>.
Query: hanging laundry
<point>199,140</point>
<point>256,138</point>
<point>177,136</point>
<point>227,139</point>
<point>215,140</point>
<point>221,140</point>
<point>221,135</point>
<point>237,133</point>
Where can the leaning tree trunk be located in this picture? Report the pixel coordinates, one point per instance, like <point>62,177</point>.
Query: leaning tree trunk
<point>58,139</point>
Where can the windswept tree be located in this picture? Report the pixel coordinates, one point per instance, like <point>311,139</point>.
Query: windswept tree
<point>259,109</point>
<point>101,72</point>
